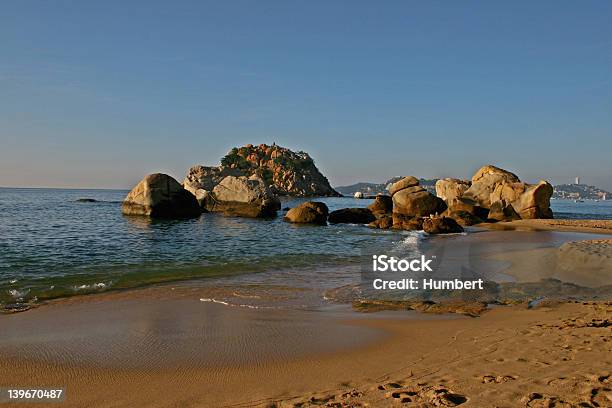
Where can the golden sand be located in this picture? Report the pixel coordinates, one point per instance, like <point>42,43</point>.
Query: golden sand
<point>162,354</point>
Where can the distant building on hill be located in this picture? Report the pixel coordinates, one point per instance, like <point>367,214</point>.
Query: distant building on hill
<point>579,191</point>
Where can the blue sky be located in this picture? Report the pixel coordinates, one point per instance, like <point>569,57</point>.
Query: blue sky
<point>97,94</point>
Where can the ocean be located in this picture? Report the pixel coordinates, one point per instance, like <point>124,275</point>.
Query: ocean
<point>53,245</point>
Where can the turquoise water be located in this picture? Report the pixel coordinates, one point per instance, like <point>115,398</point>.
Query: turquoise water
<point>52,245</point>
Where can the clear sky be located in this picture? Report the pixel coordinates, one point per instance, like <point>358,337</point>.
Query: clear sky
<point>99,93</point>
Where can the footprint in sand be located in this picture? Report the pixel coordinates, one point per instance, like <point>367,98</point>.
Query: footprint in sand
<point>537,400</point>
<point>390,386</point>
<point>404,396</point>
<point>601,397</point>
<point>437,396</point>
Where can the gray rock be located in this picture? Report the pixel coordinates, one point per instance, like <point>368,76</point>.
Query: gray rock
<point>160,196</point>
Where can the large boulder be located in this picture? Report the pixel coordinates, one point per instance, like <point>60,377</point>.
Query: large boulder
<point>507,192</point>
<point>411,203</point>
<point>417,202</point>
<point>351,216</point>
<point>310,212</point>
<point>160,196</point>
<point>201,180</point>
<point>450,188</point>
<point>491,185</point>
<point>243,197</point>
<point>485,182</point>
<point>408,181</point>
<point>441,225</point>
<point>382,205</point>
<point>534,202</point>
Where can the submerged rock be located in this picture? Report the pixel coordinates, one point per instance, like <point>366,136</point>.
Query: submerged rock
<point>160,196</point>
<point>310,212</point>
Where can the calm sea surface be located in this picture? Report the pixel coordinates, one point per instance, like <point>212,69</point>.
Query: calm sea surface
<point>52,245</point>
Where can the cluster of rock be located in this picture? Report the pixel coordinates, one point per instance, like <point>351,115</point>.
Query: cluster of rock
<point>409,207</point>
<point>246,184</point>
<point>161,196</point>
<point>493,195</point>
<point>313,212</point>
<point>310,212</point>
<point>283,171</point>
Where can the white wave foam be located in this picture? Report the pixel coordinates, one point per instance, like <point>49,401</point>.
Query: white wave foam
<point>99,285</point>
<point>211,300</point>
<point>411,240</point>
<point>18,294</point>
<point>221,302</point>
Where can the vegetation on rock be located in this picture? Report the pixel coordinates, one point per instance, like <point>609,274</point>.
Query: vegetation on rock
<point>286,172</point>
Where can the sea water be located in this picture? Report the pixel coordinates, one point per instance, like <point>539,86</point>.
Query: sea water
<point>53,244</point>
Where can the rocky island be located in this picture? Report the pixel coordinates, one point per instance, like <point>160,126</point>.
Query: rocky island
<point>284,172</point>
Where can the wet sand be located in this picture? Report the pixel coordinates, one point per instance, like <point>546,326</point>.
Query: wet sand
<point>187,353</point>
<point>587,226</point>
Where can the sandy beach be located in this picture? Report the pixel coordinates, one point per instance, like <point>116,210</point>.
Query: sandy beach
<point>182,352</point>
